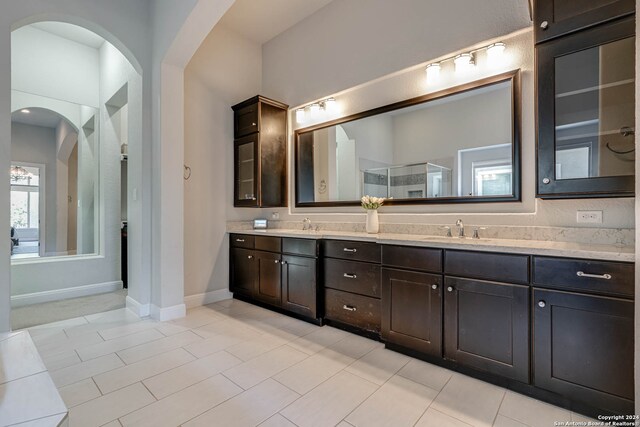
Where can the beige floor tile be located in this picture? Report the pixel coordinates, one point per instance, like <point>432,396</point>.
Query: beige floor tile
<point>277,421</point>
<point>61,342</point>
<point>399,402</point>
<point>318,339</point>
<point>309,373</point>
<point>94,327</point>
<point>131,328</point>
<point>265,400</point>
<point>355,346</point>
<point>28,398</point>
<point>129,374</point>
<point>196,318</point>
<point>187,375</point>
<point>379,365</point>
<point>110,407</point>
<point>145,351</point>
<point>19,358</point>
<point>212,344</point>
<point>433,418</point>
<point>56,361</point>
<point>169,329</point>
<point>55,327</point>
<point>425,373</point>
<point>247,350</point>
<point>472,401</point>
<point>80,392</point>
<point>84,370</point>
<point>330,402</point>
<point>117,344</point>
<point>228,327</point>
<point>502,421</point>
<point>184,405</point>
<point>344,424</point>
<point>115,423</point>
<point>531,411</point>
<point>250,373</point>
<point>119,315</point>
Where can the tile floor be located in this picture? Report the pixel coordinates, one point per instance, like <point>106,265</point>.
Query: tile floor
<point>235,364</point>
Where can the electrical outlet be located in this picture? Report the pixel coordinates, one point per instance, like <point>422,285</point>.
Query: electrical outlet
<point>592,217</point>
<point>275,216</point>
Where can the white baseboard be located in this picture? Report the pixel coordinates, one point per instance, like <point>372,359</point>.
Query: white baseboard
<point>207,298</point>
<point>66,293</point>
<point>163,314</point>
<point>140,310</point>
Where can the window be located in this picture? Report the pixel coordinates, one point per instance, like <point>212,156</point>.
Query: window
<point>492,180</point>
<point>25,197</point>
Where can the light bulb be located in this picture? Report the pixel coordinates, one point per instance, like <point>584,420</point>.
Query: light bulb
<point>433,72</point>
<point>300,115</point>
<point>330,105</point>
<point>314,109</point>
<point>464,62</point>
<point>495,53</point>
<point>25,111</point>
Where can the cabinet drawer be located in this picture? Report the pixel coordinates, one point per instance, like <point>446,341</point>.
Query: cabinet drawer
<point>352,276</point>
<point>412,258</point>
<point>304,247</point>
<point>605,277</point>
<point>356,251</point>
<point>351,309</point>
<point>268,243</point>
<point>242,241</point>
<point>478,265</point>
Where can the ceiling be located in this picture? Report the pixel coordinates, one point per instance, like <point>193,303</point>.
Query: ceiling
<point>71,32</point>
<point>260,20</point>
<point>37,117</point>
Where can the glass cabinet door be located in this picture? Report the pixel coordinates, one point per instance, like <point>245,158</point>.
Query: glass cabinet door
<point>246,171</point>
<point>586,112</point>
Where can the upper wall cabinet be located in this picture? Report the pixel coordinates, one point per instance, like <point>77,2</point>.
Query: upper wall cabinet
<point>260,153</point>
<point>586,112</point>
<point>554,18</point>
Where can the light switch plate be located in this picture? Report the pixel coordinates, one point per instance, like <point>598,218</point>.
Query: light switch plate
<point>589,217</point>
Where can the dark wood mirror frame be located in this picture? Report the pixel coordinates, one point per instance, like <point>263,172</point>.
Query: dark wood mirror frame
<point>513,76</point>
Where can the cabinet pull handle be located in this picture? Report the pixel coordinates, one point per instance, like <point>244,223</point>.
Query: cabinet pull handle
<point>542,304</point>
<point>249,256</point>
<point>450,289</point>
<point>240,240</point>
<point>352,250</point>
<point>605,276</point>
<point>349,308</point>
<point>349,276</point>
<point>434,287</point>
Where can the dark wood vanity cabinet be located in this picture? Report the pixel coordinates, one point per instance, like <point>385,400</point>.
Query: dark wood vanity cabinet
<point>583,323</point>
<point>586,112</point>
<point>260,153</point>
<point>555,18</point>
<point>280,272</point>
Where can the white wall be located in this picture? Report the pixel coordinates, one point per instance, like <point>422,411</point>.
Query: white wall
<point>122,22</point>
<point>225,70</point>
<point>37,144</point>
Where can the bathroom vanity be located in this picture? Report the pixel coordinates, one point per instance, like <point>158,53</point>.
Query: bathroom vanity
<point>550,320</point>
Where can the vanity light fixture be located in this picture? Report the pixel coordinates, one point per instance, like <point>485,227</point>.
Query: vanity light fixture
<point>329,105</point>
<point>467,60</point>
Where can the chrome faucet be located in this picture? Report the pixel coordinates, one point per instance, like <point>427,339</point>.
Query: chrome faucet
<point>306,224</point>
<point>460,226</point>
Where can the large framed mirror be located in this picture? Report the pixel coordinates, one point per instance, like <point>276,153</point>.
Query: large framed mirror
<point>459,145</point>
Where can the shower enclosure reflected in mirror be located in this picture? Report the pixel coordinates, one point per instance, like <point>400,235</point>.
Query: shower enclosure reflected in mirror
<point>54,177</point>
<point>454,146</point>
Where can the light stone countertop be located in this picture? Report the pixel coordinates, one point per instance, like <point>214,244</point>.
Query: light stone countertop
<point>529,247</point>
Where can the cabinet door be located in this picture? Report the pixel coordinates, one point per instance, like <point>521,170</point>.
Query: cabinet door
<point>269,277</point>
<point>245,120</point>
<point>553,18</point>
<point>486,326</point>
<point>243,272</point>
<point>246,175</point>
<point>412,310</point>
<point>584,348</point>
<point>299,291</point>
<point>586,113</point>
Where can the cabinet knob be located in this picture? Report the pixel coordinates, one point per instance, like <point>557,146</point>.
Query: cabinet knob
<point>544,25</point>
<point>253,124</point>
<point>546,180</point>
<point>542,304</point>
<point>450,289</point>
<point>277,261</point>
<point>249,256</point>
<point>283,262</point>
<point>434,287</point>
